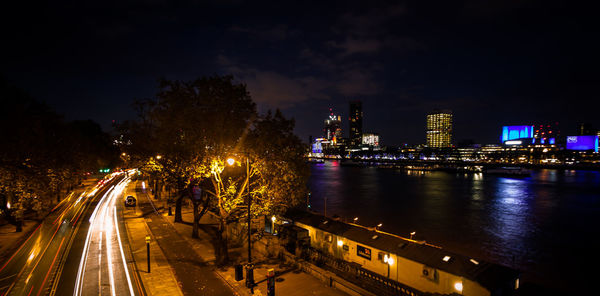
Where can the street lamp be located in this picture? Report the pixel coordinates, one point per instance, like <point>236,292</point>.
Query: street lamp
<point>355,220</point>
<point>249,271</point>
<point>412,234</point>
<point>273,219</point>
<point>389,261</point>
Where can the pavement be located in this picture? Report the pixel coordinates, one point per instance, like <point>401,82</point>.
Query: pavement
<point>290,281</point>
<point>194,275</point>
<point>161,278</point>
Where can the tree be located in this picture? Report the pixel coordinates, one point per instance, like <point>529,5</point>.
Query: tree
<point>271,171</point>
<point>40,154</point>
<point>195,126</point>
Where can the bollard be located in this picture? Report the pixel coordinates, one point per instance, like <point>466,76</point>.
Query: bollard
<point>148,251</point>
<point>271,282</point>
<point>250,277</point>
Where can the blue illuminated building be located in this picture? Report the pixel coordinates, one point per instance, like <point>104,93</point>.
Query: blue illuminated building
<point>582,143</point>
<point>513,132</point>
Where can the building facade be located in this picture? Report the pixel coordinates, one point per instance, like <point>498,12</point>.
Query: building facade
<point>547,133</point>
<point>439,129</point>
<point>355,123</point>
<point>370,140</point>
<point>417,264</point>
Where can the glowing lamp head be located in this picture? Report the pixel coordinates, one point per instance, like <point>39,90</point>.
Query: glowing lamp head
<point>230,161</point>
<point>390,261</point>
<point>158,157</point>
<point>273,219</point>
<point>458,286</point>
<point>355,219</point>
<point>340,243</point>
<point>8,205</point>
<point>380,224</point>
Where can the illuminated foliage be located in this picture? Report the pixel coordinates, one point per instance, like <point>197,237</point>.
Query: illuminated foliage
<point>196,126</point>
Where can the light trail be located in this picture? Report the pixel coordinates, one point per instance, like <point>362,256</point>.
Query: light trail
<point>101,237</point>
<point>123,254</point>
<point>82,263</point>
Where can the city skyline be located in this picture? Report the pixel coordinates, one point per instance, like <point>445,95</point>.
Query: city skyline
<point>401,60</point>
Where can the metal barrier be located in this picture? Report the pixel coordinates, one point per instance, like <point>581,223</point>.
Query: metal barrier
<point>364,278</point>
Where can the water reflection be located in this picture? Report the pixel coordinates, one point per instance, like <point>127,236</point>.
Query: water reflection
<point>509,210</point>
<point>515,222</point>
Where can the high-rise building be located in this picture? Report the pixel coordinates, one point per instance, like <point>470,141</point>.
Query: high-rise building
<point>355,123</point>
<point>439,129</point>
<point>333,127</point>
<point>586,129</point>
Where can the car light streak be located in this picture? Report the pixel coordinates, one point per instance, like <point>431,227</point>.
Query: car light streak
<point>123,254</point>
<point>82,263</point>
<point>105,227</point>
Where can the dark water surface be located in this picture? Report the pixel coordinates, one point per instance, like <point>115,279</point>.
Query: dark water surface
<point>545,225</point>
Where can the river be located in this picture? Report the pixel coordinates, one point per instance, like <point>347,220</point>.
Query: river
<point>544,225</point>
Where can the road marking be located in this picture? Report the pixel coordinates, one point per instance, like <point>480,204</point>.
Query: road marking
<point>51,265</point>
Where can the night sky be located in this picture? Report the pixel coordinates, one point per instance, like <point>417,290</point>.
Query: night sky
<point>493,63</point>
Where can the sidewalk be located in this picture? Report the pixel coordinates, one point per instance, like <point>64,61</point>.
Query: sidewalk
<point>289,281</point>
<point>160,280</point>
<point>193,275</point>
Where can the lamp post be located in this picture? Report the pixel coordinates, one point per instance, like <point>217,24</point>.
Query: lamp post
<point>249,270</point>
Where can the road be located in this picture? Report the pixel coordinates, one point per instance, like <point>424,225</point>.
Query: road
<point>82,239</point>
<point>32,268</point>
<point>104,269</point>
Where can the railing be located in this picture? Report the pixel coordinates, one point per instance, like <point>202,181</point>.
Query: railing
<point>364,278</point>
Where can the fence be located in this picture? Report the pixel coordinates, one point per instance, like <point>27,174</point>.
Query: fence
<point>364,278</point>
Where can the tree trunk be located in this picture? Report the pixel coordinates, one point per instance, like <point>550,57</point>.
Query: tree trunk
<point>19,226</point>
<point>196,220</point>
<point>178,201</point>
<point>221,252</point>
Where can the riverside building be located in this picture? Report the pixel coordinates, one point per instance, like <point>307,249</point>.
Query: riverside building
<point>408,265</point>
<point>439,129</point>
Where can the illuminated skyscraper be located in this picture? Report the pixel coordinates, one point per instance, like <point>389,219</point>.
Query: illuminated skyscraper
<point>333,127</point>
<point>355,122</point>
<point>439,129</point>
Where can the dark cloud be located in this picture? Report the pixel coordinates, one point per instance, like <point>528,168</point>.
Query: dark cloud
<point>492,62</point>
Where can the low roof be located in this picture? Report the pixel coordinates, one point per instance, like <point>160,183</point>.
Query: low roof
<point>487,274</point>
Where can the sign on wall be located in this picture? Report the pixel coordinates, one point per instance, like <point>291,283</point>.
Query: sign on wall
<point>363,252</point>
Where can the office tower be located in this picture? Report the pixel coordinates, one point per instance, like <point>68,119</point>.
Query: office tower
<point>355,123</point>
<point>439,129</point>
<point>585,129</point>
<point>333,127</point>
